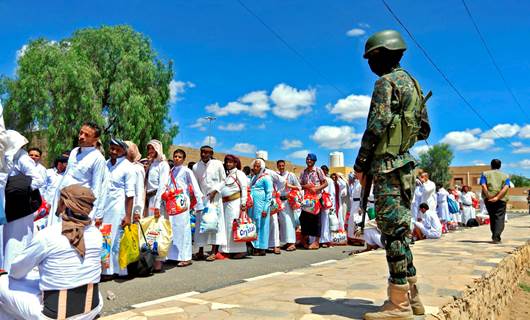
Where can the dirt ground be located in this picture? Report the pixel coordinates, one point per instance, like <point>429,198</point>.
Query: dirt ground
<point>519,308</point>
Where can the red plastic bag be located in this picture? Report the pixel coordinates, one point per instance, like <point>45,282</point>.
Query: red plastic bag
<point>193,200</point>
<point>294,198</point>
<point>176,201</point>
<point>250,202</point>
<point>276,203</point>
<point>311,203</point>
<point>243,229</point>
<point>475,203</point>
<point>326,200</point>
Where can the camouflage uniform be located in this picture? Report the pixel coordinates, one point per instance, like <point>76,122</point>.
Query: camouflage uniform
<point>393,176</point>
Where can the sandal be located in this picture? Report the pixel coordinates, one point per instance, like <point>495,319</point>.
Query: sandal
<point>211,258</point>
<point>239,255</point>
<point>277,251</point>
<point>199,257</point>
<point>291,248</point>
<point>313,246</point>
<point>182,264</point>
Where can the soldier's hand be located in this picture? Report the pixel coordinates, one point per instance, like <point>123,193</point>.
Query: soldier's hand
<point>361,177</point>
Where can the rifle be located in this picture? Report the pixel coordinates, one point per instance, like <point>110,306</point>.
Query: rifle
<point>365,193</point>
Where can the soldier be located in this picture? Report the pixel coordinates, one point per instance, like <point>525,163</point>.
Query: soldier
<point>396,120</point>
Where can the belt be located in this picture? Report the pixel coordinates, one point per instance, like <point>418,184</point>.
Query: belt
<point>466,205</point>
<point>232,197</point>
<point>356,199</point>
<point>149,194</point>
<point>61,304</point>
<point>283,198</point>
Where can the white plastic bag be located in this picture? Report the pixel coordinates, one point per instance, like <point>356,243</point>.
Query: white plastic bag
<point>209,218</point>
<point>333,221</point>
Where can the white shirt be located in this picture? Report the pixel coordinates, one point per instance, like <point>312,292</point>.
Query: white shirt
<point>185,178</point>
<point>121,185</point>
<point>43,172</point>
<point>23,164</point>
<point>428,194</point>
<point>53,178</point>
<point>87,167</point>
<point>291,179</point>
<point>60,266</point>
<point>157,179</point>
<point>210,175</point>
<point>430,225</point>
<point>235,182</point>
<point>139,188</point>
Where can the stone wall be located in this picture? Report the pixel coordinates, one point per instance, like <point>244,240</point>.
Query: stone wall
<point>488,296</point>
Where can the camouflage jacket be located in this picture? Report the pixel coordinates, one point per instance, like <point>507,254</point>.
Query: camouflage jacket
<point>391,91</point>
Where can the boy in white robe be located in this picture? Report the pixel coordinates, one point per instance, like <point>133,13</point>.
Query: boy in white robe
<point>210,174</point>
<point>118,202</point>
<point>86,166</point>
<point>287,218</point>
<point>68,256</point>
<point>184,180</point>
<point>427,226</point>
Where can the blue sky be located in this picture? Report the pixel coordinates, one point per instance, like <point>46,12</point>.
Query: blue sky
<point>265,97</point>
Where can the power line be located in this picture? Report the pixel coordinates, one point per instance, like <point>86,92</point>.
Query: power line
<point>455,89</point>
<point>494,61</point>
<point>290,47</point>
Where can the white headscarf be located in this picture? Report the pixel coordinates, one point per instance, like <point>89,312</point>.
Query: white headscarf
<point>133,150</point>
<point>13,142</point>
<point>261,162</point>
<point>157,145</point>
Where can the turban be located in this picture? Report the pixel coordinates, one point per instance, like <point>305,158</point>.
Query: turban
<point>133,151</point>
<point>79,202</point>
<point>157,145</point>
<point>312,156</point>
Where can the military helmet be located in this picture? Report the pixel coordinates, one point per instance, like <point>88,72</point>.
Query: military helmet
<point>388,39</point>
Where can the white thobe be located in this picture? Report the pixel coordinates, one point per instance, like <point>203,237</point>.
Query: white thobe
<point>278,182</point>
<point>17,234</point>
<point>428,195</point>
<point>43,173</point>
<point>416,201</point>
<point>430,225</point>
<point>157,180</point>
<point>120,186</point>
<point>468,212</point>
<point>181,247</point>
<point>139,188</point>
<point>355,200</point>
<point>287,218</point>
<point>235,182</point>
<point>60,267</point>
<point>53,178</point>
<point>443,208</point>
<point>211,176</point>
<point>87,167</point>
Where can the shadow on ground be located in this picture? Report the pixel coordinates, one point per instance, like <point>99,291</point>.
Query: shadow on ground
<point>348,308</point>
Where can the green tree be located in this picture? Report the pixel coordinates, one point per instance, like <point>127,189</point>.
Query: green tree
<point>519,181</point>
<point>110,75</point>
<point>436,162</point>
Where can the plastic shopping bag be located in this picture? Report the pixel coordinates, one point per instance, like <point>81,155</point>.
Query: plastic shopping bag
<point>311,203</point>
<point>339,238</point>
<point>276,203</point>
<point>326,200</point>
<point>209,218</point>
<point>105,230</point>
<point>333,221</point>
<point>294,198</point>
<point>158,234</point>
<point>129,246</point>
<point>243,229</point>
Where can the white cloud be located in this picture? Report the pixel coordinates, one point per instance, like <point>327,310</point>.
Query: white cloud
<point>478,162</point>
<point>262,126</point>
<point>525,132</point>
<point>355,32</point>
<point>244,148</point>
<point>177,88</point>
<point>330,137</point>
<point>200,124</point>
<point>300,154</point>
<point>364,25</point>
<point>467,140</point>
<point>20,52</point>
<point>291,144</point>
<point>210,140</point>
<point>523,164</point>
<point>517,144</point>
<point>417,151</point>
<point>504,130</point>
<point>232,127</point>
<point>290,103</point>
<point>521,150</point>
<point>255,103</point>
<point>352,107</point>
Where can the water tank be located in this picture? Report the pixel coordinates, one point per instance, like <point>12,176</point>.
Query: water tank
<point>262,154</point>
<point>336,159</point>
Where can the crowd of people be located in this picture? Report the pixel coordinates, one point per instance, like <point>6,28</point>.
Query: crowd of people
<point>83,193</point>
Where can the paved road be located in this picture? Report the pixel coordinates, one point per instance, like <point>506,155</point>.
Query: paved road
<point>205,276</point>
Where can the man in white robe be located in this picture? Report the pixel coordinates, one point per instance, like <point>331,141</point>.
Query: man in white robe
<point>427,226</point>
<point>325,233</point>
<point>355,204</point>
<point>287,218</point>
<point>18,233</point>
<point>117,210</point>
<point>36,155</point>
<point>468,211</point>
<point>87,167</point>
<point>211,175</point>
<point>428,192</point>
<point>68,256</point>
<point>134,156</point>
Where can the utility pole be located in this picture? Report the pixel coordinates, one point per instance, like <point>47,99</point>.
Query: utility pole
<point>210,119</point>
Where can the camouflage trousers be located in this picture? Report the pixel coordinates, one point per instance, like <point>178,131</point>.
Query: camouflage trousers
<point>393,195</point>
